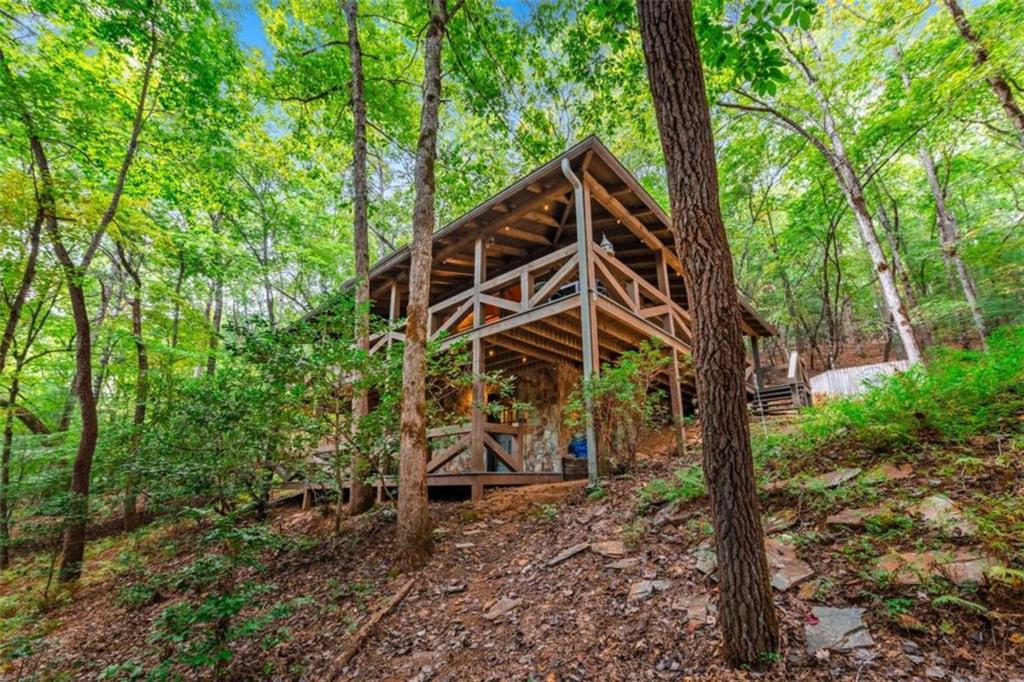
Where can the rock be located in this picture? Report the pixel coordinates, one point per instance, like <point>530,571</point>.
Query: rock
<point>707,560</point>
<point>787,570</point>
<point>854,517</point>
<point>454,588</point>
<point>645,588</point>
<point>962,567</point>
<point>779,521</point>
<point>697,608</point>
<point>836,630</point>
<point>669,513</point>
<point>934,672</point>
<point>501,607</point>
<point>890,472</point>
<point>610,549</point>
<point>567,553</point>
<point>832,479</point>
<point>624,563</point>
<point>940,512</point>
<point>464,545</point>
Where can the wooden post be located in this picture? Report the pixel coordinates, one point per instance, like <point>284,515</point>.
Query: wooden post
<point>588,321</point>
<point>675,389</point>
<point>307,499</point>
<point>477,447</point>
<point>758,374</point>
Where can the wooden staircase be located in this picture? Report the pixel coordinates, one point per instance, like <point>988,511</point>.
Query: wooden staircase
<point>780,397</point>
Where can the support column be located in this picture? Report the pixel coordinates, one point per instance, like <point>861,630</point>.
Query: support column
<point>477,447</point>
<point>755,352</point>
<point>588,318</point>
<point>675,388</point>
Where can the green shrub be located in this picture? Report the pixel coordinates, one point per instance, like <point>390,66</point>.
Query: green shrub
<point>687,484</point>
<point>959,394</point>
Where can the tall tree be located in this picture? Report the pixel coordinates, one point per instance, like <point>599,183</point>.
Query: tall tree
<point>414,532</point>
<point>749,624</point>
<point>360,494</point>
<point>995,78</point>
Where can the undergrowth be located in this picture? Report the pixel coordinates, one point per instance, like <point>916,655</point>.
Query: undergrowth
<point>961,393</point>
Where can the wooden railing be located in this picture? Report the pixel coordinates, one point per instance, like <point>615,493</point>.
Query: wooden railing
<point>628,288</point>
<point>452,441</point>
<point>534,284</point>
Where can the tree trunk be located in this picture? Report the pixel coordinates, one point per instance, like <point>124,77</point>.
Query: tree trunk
<point>749,626</point>
<point>414,533</point>
<point>850,183</point>
<point>5,476</point>
<point>141,390</point>
<point>360,495</point>
<point>27,277</point>
<point>949,228</point>
<point>218,308</point>
<point>996,80</point>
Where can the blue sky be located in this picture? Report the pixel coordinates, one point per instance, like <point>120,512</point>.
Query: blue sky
<point>250,28</point>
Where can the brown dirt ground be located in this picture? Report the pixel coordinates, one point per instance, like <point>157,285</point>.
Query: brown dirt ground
<point>572,620</point>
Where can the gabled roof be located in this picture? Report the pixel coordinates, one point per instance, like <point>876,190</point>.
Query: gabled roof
<point>533,216</point>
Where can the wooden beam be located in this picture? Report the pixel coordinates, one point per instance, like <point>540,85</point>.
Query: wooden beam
<point>524,235</point>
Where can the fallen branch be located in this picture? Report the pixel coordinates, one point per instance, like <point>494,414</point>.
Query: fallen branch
<point>364,632</point>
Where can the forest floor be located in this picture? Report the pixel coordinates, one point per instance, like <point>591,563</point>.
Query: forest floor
<point>552,583</point>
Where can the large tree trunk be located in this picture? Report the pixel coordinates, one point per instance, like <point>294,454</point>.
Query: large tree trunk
<point>996,80</point>
<point>360,494</point>
<point>414,533</point>
<point>749,626</point>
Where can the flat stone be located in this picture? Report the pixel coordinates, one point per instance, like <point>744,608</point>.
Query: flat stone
<point>707,559</point>
<point>779,521</point>
<point>668,514</point>
<point>854,518</point>
<point>610,549</point>
<point>962,567</point>
<point>697,607</point>
<point>501,607</point>
<point>787,570</point>
<point>622,564</point>
<point>890,472</point>
<point>836,630</point>
<point>568,553</point>
<point>832,479</point>
<point>940,512</point>
<point>645,588</point>
<point>464,545</point>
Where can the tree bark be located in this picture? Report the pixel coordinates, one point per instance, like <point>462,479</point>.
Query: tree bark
<point>141,388</point>
<point>218,307</point>
<point>27,277</point>
<point>414,532</point>
<point>949,228</point>
<point>360,494</point>
<point>5,476</point>
<point>853,190</point>
<point>749,625</point>
<point>996,80</point>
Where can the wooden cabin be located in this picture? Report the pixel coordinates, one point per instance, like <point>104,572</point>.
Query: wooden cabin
<point>563,270</point>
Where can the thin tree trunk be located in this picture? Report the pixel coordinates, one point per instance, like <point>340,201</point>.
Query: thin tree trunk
<point>27,277</point>
<point>360,494</point>
<point>176,318</point>
<point>996,80</point>
<point>749,625</point>
<point>141,389</point>
<point>218,308</point>
<point>414,533</point>
<point>853,190</point>
<point>949,228</point>
<point>5,476</point>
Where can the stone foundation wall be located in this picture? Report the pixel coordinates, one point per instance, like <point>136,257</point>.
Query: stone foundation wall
<point>546,388</point>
